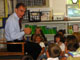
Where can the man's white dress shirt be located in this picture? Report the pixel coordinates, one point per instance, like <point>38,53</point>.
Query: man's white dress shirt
<point>12,29</point>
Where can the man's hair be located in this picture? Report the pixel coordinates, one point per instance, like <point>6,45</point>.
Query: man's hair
<point>54,50</point>
<point>20,4</point>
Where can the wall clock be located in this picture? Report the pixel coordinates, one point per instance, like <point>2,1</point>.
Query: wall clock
<point>74,1</point>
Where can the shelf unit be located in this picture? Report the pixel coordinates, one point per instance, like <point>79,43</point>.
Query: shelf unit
<point>58,24</point>
<point>73,23</point>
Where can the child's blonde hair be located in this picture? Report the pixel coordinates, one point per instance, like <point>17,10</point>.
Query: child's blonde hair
<point>54,50</point>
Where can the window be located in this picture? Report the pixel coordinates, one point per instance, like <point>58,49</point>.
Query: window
<point>73,10</point>
<point>72,1</point>
<point>34,3</point>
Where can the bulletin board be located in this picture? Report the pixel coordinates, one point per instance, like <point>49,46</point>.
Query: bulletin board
<point>3,8</point>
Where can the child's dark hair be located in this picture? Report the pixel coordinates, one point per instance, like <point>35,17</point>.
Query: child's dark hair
<point>54,50</point>
<point>72,46</point>
<point>39,36</point>
<point>63,31</point>
<point>71,38</point>
<point>41,33</point>
<point>60,36</point>
<point>72,43</point>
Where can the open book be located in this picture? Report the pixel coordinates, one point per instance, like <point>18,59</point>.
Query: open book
<point>74,54</point>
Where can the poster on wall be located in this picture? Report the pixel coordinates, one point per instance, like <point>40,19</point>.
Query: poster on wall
<point>1,23</point>
<point>2,10</point>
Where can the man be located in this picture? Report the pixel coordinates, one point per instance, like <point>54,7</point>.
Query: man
<point>12,28</point>
<point>14,34</point>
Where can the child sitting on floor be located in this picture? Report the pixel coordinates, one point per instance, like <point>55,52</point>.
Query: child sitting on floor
<point>58,39</point>
<point>39,39</point>
<point>53,52</point>
<point>71,46</point>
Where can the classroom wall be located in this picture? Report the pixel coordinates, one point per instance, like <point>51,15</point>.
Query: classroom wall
<point>58,6</point>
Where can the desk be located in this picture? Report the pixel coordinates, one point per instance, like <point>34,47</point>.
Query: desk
<point>12,53</point>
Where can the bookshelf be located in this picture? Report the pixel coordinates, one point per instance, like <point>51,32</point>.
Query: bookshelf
<point>48,28</point>
<point>56,25</point>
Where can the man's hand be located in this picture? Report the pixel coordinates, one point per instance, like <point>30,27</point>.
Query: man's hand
<point>27,30</point>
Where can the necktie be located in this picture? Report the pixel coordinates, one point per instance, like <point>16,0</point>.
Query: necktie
<point>20,23</point>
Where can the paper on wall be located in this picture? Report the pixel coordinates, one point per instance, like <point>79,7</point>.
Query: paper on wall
<point>0,22</point>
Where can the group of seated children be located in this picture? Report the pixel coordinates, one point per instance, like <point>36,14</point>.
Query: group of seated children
<point>39,37</point>
<point>57,50</point>
<point>36,46</point>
